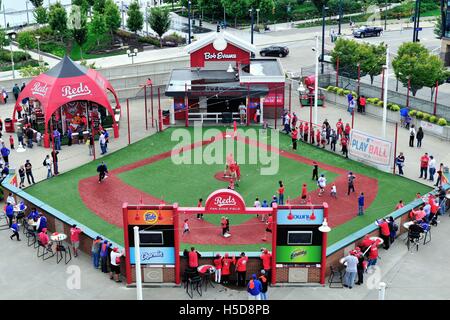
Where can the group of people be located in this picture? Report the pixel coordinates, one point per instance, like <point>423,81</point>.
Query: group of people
<point>105,255</point>
<point>257,286</point>
<point>360,103</point>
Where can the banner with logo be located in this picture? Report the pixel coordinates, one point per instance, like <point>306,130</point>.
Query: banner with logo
<point>299,254</point>
<point>300,216</point>
<point>150,217</point>
<point>225,201</point>
<point>369,148</point>
<point>154,255</point>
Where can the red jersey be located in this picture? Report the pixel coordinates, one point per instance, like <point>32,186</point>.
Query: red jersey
<point>424,161</point>
<point>43,238</point>
<point>233,167</point>
<point>294,134</point>
<point>399,206</point>
<point>75,234</point>
<point>300,127</point>
<point>226,264</point>
<point>347,129</point>
<point>281,190</point>
<point>266,258</point>
<point>365,243</point>
<point>339,126</point>
<point>238,171</point>
<point>344,142</point>
<point>193,259</point>
<point>218,263</point>
<point>269,223</point>
<point>241,264</point>
<point>305,128</point>
<point>11,140</point>
<point>304,191</point>
<point>384,226</point>
<point>318,135</point>
<point>223,223</point>
<point>373,252</point>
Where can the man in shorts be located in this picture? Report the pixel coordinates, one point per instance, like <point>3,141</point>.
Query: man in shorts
<point>75,239</point>
<point>115,264</point>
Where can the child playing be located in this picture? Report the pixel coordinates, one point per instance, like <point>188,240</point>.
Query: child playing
<point>186,227</point>
<point>333,191</point>
<point>231,184</point>
<point>322,182</point>
<point>304,193</point>
<point>11,142</point>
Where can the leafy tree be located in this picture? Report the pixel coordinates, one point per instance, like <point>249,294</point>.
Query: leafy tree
<point>438,27</point>
<point>319,4</point>
<point>99,6</point>
<point>3,40</point>
<point>135,20</point>
<point>40,15</point>
<point>37,3</point>
<point>29,71</point>
<point>267,8</point>
<point>211,7</point>
<point>372,59</point>
<point>348,52</point>
<point>159,21</point>
<point>112,16</point>
<point>78,26</point>
<point>236,8</point>
<point>83,4</point>
<point>98,26</point>
<point>26,40</point>
<point>57,19</point>
<point>413,61</point>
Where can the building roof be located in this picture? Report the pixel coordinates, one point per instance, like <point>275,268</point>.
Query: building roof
<point>218,37</point>
<point>262,70</point>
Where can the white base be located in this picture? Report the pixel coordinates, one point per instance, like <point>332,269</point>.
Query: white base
<point>227,235</point>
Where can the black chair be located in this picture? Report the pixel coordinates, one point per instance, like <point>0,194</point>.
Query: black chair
<point>31,238</point>
<point>336,278</point>
<point>59,254</point>
<point>427,236</point>
<point>44,252</point>
<point>194,282</point>
<point>414,240</point>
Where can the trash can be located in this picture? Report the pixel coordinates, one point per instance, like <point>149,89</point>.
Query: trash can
<point>166,117</point>
<point>9,125</point>
<point>227,117</point>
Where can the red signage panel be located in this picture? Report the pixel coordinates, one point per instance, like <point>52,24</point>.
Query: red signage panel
<point>225,201</point>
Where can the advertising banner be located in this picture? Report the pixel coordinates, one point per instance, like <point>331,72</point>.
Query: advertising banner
<point>300,216</point>
<point>369,148</point>
<point>154,255</point>
<point>299,254</point>
<point>150,217</point>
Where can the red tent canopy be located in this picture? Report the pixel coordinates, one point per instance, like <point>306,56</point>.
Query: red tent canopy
<point>68,82</point>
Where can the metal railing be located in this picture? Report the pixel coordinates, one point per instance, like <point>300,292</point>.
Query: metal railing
<point>210,116</point>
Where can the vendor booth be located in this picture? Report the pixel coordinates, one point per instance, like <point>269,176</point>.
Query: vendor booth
<point>68,96</point>
<point>223,76</point>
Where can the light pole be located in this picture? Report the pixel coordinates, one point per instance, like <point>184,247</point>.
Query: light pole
<point>189,22</point>
<point>257,16</point>
<point>146,18</point>
<point>323,36</point>
<point>132,54</point>
<point>386,83</point>
<point>11,38</point>
<point>385,15</point>
<point>28,17</point>
<point>252,19</point>
<point>340,17</point>
<point>316,80</point>
<point>224,19</point>
<point>39,49</point>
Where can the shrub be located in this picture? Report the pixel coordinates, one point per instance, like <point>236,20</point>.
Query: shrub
<point>380,103</point>
<point>340,91</point>
<point>149,40</point>
<point>355,94</point>
<point>346,92</point>
<point>433,119</point>
<point>175,37</point>
<point>412,113</point>
<point>426,116</point>
<point>331,89</point>
<point>419,115</point>
<point>442,122</point>
<point>395,108</point>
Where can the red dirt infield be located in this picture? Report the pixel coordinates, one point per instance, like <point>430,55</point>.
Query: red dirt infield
<point>105,199</point>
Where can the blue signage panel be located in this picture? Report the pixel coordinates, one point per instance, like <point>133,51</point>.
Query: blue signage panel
<point>154,255</point>
<point>300,217</point>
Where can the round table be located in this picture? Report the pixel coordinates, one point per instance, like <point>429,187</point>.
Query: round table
<point>32,223</point>
<point>406,225</point>
<point>16,208</point>
<point>210,269</point>
<point>58,237</point>
<point>380,241</point>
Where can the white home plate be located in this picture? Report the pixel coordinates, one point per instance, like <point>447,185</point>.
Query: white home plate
<point>228,136</point>
<point>227,235</point>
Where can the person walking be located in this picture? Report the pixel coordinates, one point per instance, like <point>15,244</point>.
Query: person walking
<point>351,183</point>
<point>322,183</point>
<point>91,144</point>
<point>5,153</point>
<point>199,205</point>
<point>69,136</point>
<point>254,288</point>
<point>351,270</point>
<point>287,123</point>
<point>419,137</point>
<point>57,139</point>
<point>15,229</point>
<point>424,160</point>
<point>440,172</point>
<point>333,140</point>
<point>264,284</point>
<point>362,102</point>
<point>294,136</point>
<point>9,211</point>
<point>95,251</point>
<point>48,163</point>
<point>400,162</point>
<point>241,269</point>
<point>55,161</point>
<point>102,171</point>
<point>29,133</point>
<point>242,112</point>
<point>344,142</point>
<point>385,232</point>
<point>361,204</point>
<point>102,141</point>
<point>11,142</point>
<point>280,193</point>
<point>315,173</point>
<point>305,132</point>
<point>16,91</point>
<point>412,134</point>
<point>22,177</point>
<point>432,168</point>
<point>28,172</point>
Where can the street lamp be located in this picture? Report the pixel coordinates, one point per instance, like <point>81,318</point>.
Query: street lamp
<point>257,16</point>
<point>340,17</point>
<point>189,22</point>
<point>39,49</point>
<point>252,17</point>
<point>132,54</point>
<point>11,38</point>
<point>323,36</point>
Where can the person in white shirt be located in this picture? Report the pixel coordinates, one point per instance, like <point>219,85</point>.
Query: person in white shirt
<point>432,167</point>
<point>11,199</point>
<point>39,138</point>
<point>412,134</point>
<point>257,203</point>
<point>322,182</point>
<point>102,141</point>
<point>242,112</point>
<point>115,264</point>
<point>48,163</point>
<point>333,191</point>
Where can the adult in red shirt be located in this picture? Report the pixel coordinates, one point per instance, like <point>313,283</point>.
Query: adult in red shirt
<point>339,128</point>
<point>223,224</point>
<point>300,129</point>
<point>305,132</point>
<point>218,265</point>
<point>344,142</point>
<point>294,136</point>
<point>424,165</point>
<point>318,135</point>
<point>384,233</point>
<point>241,268</point>
<point>238,173</point>
<point>373,254</point>
<point>268,227</point>
<point>347,131</point>
<point>365,243</point>
<point>226,267</point>
<point>193,258</point>
<point>281,192</point>
<point>75,238</point>
<point>399,205</point>
<point>304,192</point>
<point>266,258</point>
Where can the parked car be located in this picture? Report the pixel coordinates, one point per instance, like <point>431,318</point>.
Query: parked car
<point>367,32</point>
<point>274,51</point>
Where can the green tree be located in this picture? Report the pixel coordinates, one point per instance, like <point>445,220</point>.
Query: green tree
<point>267,9</point>
<point>37,3</point>
<point>414,62</point>
<point>112,16</point>
<point>319,4</point>
<point>348,52</point>
<point>98,26</point>
<point>83,4</point>
<point>211,8</point>
<point>135,20</point>
<point>236,8</point>
<point>99,6</point>
<point>26,40</point>
<point>159,21</point>
<point>78,26</point>
<point>40,15</point>
<point>57,19</point>
<point>372,59</point>
<point>438,27</point>
<point>3,40</point>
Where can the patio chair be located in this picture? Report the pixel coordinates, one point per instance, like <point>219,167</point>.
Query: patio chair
<point>194,282</point>
<point>59,254</point>
<point>336,278</point>
<point>43,251</point>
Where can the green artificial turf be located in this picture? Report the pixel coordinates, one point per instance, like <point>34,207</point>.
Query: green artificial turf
<point>186,183</point>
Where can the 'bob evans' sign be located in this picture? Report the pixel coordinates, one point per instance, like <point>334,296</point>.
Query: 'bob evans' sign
<point>219,55</point>
<point>369,148</point>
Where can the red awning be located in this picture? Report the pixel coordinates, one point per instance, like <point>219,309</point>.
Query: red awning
<point>67,82</point>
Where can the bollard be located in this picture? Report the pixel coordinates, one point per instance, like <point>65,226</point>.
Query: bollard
<point>381,290</point>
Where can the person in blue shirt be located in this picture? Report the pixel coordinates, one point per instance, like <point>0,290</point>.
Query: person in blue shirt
<point>254,288</point>
<point>22,206</point>
<point>15,229</point>
<point>106,139</point>
<point>9,210</point>
<point>104,256</point>
<point>404,112</point>
<point>34,214</point>
<point>5,154</point>
<point>361,204</point>
<point>57,137</point>
<point>274,200</point>
<point>42,223</point>
<point>265,204</point>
